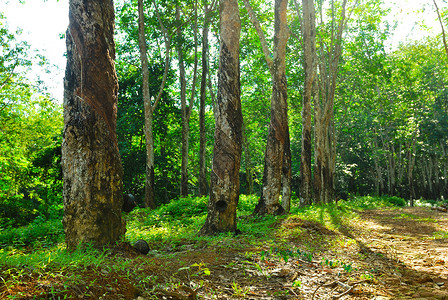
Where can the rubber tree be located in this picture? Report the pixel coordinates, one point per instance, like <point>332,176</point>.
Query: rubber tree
<point>203,184</point>
<point>149,105</point>
<point>186,109</point>
<point>91,162</point>
<point>224,181</point>
<point>277,161</point>
<point>309,64</point>
<point>328,55</point>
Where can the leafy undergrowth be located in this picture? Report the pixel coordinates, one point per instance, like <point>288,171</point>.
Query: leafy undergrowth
<point>359,249</point>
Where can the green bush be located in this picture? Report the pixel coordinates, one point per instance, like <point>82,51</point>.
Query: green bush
<point>39,232</point>
<point>396,201</point>
<point>16,211</point>
<point>247,203</point>
<point>184,207</point>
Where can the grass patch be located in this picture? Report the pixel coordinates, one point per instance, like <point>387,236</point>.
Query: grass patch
<point>415,218</point>
<point>440,235</point>
<point>40,233</point>
<point>171,230</point>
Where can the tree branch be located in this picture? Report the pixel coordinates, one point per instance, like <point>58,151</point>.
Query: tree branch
<point>441,25</point>
<point>167,39</point>
<point>195,68</point>
<point>261,36</point>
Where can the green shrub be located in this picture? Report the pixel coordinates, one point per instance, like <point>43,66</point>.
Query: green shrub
<point>184,207</point>
<point>39,232</point>
<point>16,211</point>
<point>396,201</point>
<point>247,203</point>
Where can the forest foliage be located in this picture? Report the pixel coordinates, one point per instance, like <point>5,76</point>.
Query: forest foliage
<point>391,108</point>
<point>390,132</point>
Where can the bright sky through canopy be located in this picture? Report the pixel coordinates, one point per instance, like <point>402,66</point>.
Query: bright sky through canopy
<point>43,22</point>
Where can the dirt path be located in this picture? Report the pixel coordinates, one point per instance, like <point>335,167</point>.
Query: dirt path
<point>410,247</point>
<point>384,254</point>
<point>381,254</point>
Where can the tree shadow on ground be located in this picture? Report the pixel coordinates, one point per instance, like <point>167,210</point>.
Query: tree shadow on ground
<point>399,247</point>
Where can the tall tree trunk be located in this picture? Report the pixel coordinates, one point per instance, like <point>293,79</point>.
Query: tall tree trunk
<point>428,168</point>
<point>325,139</point>
<point>149,107</point>
<point>435,164</point>
<point>286,175</point>
<point>392,171</point>
<point>149,143</point>
<point>224,185</point>
<point>148,111</point>
<point>203,96</point>
<point>320,163</point>
<point>401,168</point>
<point>411,164</point>
<point>249,168</point>
<point>91,162</point>
<point>379,183</point>
<point>445,168</point>
<point>309,46</point>
<point>185,110</point>
<point>278,128</point>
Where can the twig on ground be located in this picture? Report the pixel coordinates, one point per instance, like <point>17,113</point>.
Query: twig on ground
<point>348,288</point>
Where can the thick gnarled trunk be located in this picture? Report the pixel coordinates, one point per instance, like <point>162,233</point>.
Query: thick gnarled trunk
<point>224,185</point>
<point>91,162</point>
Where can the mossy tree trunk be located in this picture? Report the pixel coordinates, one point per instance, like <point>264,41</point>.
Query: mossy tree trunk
<point>91,162</point>
<point>224,185</point>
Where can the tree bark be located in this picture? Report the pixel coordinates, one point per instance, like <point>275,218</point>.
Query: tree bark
<point>411,164</point>
<point>185,110</point>
<point>203,185</point>
<point>309,46</point>
<point>392,171</point>
<point>278,128</point>
<point>443,29</point>
<point>248,163</point>
<point>148,111</point>
<point>91,162</point>
<point>149,107</point>
<point>325,139</point>
<point>225,183</point>
<point>379,183</point>
<point>286,175</point>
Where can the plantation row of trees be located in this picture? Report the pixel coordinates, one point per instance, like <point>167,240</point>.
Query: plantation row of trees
<point>383,112</point>
<point>270,98</point>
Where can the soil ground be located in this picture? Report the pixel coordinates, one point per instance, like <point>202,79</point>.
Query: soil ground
<point>383,254</point>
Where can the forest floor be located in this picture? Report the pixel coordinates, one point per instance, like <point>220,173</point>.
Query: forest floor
<point>399,253</point>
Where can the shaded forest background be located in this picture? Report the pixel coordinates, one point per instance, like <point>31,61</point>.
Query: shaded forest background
<point>391,122</point>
